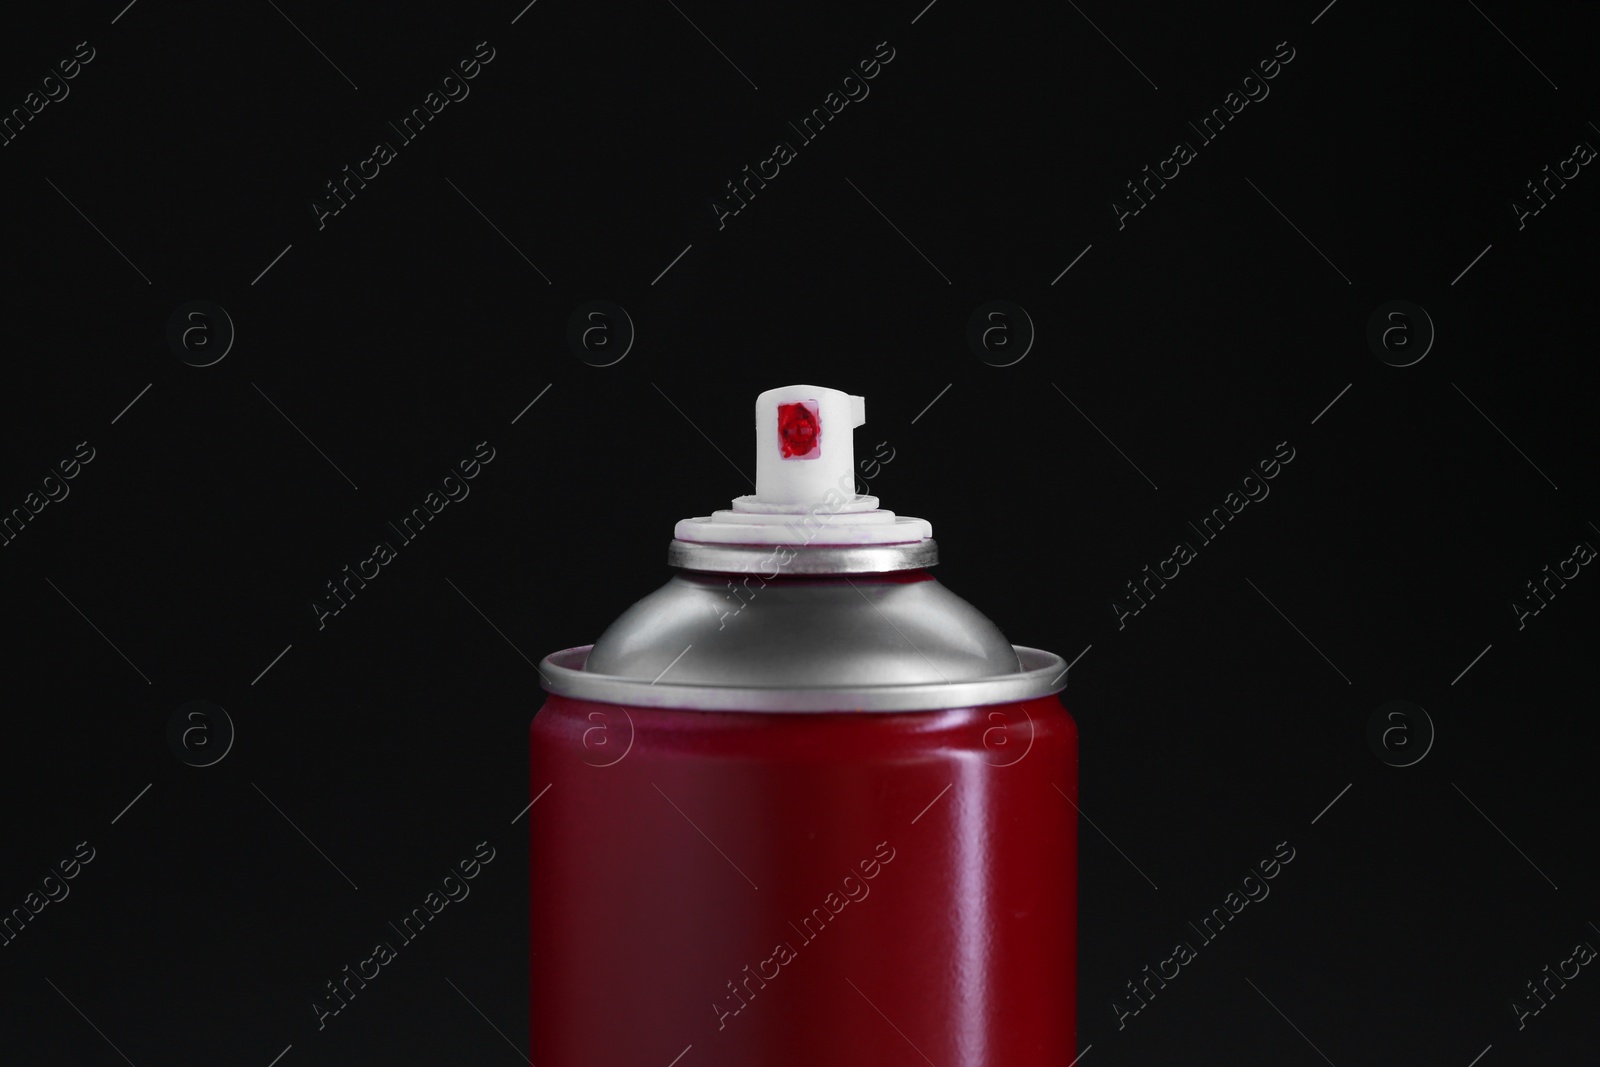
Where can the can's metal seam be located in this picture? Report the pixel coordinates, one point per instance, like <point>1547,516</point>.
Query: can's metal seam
<point>1042,674</point>
<point>802,558</point>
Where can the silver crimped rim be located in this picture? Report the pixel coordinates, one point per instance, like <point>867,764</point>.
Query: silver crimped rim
<point>1042,674</point>
<point>807,560</point>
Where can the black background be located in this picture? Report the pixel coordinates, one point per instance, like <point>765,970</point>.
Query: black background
<point>1221,720</point>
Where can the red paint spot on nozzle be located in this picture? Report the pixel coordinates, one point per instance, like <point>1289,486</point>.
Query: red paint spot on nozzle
<point>799,431</point>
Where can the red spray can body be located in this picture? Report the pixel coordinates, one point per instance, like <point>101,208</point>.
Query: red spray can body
<point>803,805</point>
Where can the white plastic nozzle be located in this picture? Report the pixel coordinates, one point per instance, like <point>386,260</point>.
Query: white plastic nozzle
<point>805,443</point>
<point>805,480</point>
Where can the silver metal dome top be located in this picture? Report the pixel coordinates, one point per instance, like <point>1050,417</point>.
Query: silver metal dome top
<point>701,629</point>
<point>733,642</point>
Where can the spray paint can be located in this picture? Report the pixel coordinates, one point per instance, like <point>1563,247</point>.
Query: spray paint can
<point>802,804</point>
